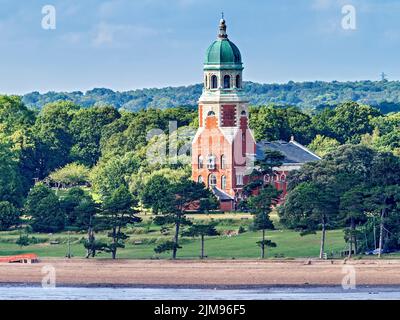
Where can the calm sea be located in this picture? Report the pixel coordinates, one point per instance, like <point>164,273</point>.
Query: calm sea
<point>111,293</point>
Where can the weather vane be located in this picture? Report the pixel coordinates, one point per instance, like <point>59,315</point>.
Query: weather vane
<point>222,14</point>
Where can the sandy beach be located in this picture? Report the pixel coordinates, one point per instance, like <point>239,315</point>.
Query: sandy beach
<point>216,273</point>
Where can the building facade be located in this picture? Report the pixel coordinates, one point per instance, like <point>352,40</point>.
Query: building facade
<point>224,149</point>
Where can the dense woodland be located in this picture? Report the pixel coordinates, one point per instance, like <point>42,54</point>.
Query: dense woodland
<point>306,95</point>
<point>99,155</point>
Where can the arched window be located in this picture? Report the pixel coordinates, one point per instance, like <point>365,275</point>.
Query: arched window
<point>210,113</point>
<point>238,84</point>
<point>223,183</point>
<point>200,162</point>
<point>266,178</point>
<point>223,162</point>
<point>200,179</point>
<point>212,180</point>
<point>227,82</point>
<point>206,82</point>
<point>283,177</point>
<point>211,159</point>
<point>214,82</point>
<point>243,113</point>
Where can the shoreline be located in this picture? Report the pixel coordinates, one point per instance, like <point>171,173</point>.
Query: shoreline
<point>208,274</point>
<point>387,287</point>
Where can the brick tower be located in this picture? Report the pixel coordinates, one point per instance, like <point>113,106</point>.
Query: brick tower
<point>223,147</point>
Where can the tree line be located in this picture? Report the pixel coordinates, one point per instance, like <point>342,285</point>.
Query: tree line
<point>306,95</point>
<point>65,145</point>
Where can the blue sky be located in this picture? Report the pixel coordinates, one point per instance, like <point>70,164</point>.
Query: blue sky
<point>128,44</point>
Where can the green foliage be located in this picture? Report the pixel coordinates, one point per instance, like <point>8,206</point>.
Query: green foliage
<point>305,95</point>
<point>87,127</point>
<point>166,246</point>
<point>113,173</point>
<point>44,208</point>
<point>23,240</point>
<point>171,198</point>
<point>79,208</point>
<point>73,174</point>
<point>241,230</point>
<point>322,145</point>
<point>351,120</point>
<point>267,243</point>
<point>280,123</point>
<point>9,216</point>
<point>261,206</point>
<point>118,211</point>
<point>14,115</point>
<point>347,187</point>
<point>54,139</point>
<point>197,230</point>
<point>11,188</point>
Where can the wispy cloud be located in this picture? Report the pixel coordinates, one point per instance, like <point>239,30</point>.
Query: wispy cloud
<point>321,4</point>
<point>120,34</point>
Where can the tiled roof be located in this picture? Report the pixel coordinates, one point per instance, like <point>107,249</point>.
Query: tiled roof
<point>293,151</point>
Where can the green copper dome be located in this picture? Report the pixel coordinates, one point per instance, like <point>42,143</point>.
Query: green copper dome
<point>223,53</point>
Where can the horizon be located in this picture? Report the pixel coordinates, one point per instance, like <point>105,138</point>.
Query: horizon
<point>132,45</point>
<point>84,91</point>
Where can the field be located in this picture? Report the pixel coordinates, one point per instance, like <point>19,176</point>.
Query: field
<point>146,236</point>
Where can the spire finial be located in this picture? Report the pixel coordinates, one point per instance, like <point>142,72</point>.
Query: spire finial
<point>222,28</point>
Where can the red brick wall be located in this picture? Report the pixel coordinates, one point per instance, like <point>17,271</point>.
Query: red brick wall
<point>226,206</point>
<point>228,116</point>
<point>212,141</point>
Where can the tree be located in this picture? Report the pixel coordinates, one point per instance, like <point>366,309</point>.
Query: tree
<point>86,127</point>
<point>44,208</point>
<point>322,145</point>
<point>11,188</point>
<point>260,206</point>
<point>53,138</point>
<point>110,174</point>
<point>202,230</point>
<point>73,174</point>
<point>350,120</point>
<point>360,182</point>
<point>310,207</point>
<point>14,115</point>
<point>352,207</point>
<point>117,212</point>
<point>81,210</point>
<point>9,215</point>
<point>385,200</point>
<point>264,166</point>
<point>23,240</point>
<point>280,123</point>
<point>171,199</point>
<point>79,207</point>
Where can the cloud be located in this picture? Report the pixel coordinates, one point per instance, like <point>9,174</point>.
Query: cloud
<point>391,35</point>
<point>320,5</point>
<point>120,34</point>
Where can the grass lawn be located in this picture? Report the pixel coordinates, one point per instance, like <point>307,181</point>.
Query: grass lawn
<point>289,243</point>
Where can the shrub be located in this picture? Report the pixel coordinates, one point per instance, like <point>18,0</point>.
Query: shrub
<point>9,215</point>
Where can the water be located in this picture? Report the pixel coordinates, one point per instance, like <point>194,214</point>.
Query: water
<point>111,293</point>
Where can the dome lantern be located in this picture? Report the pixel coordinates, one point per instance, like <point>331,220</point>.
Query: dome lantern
<point>223,53</point>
